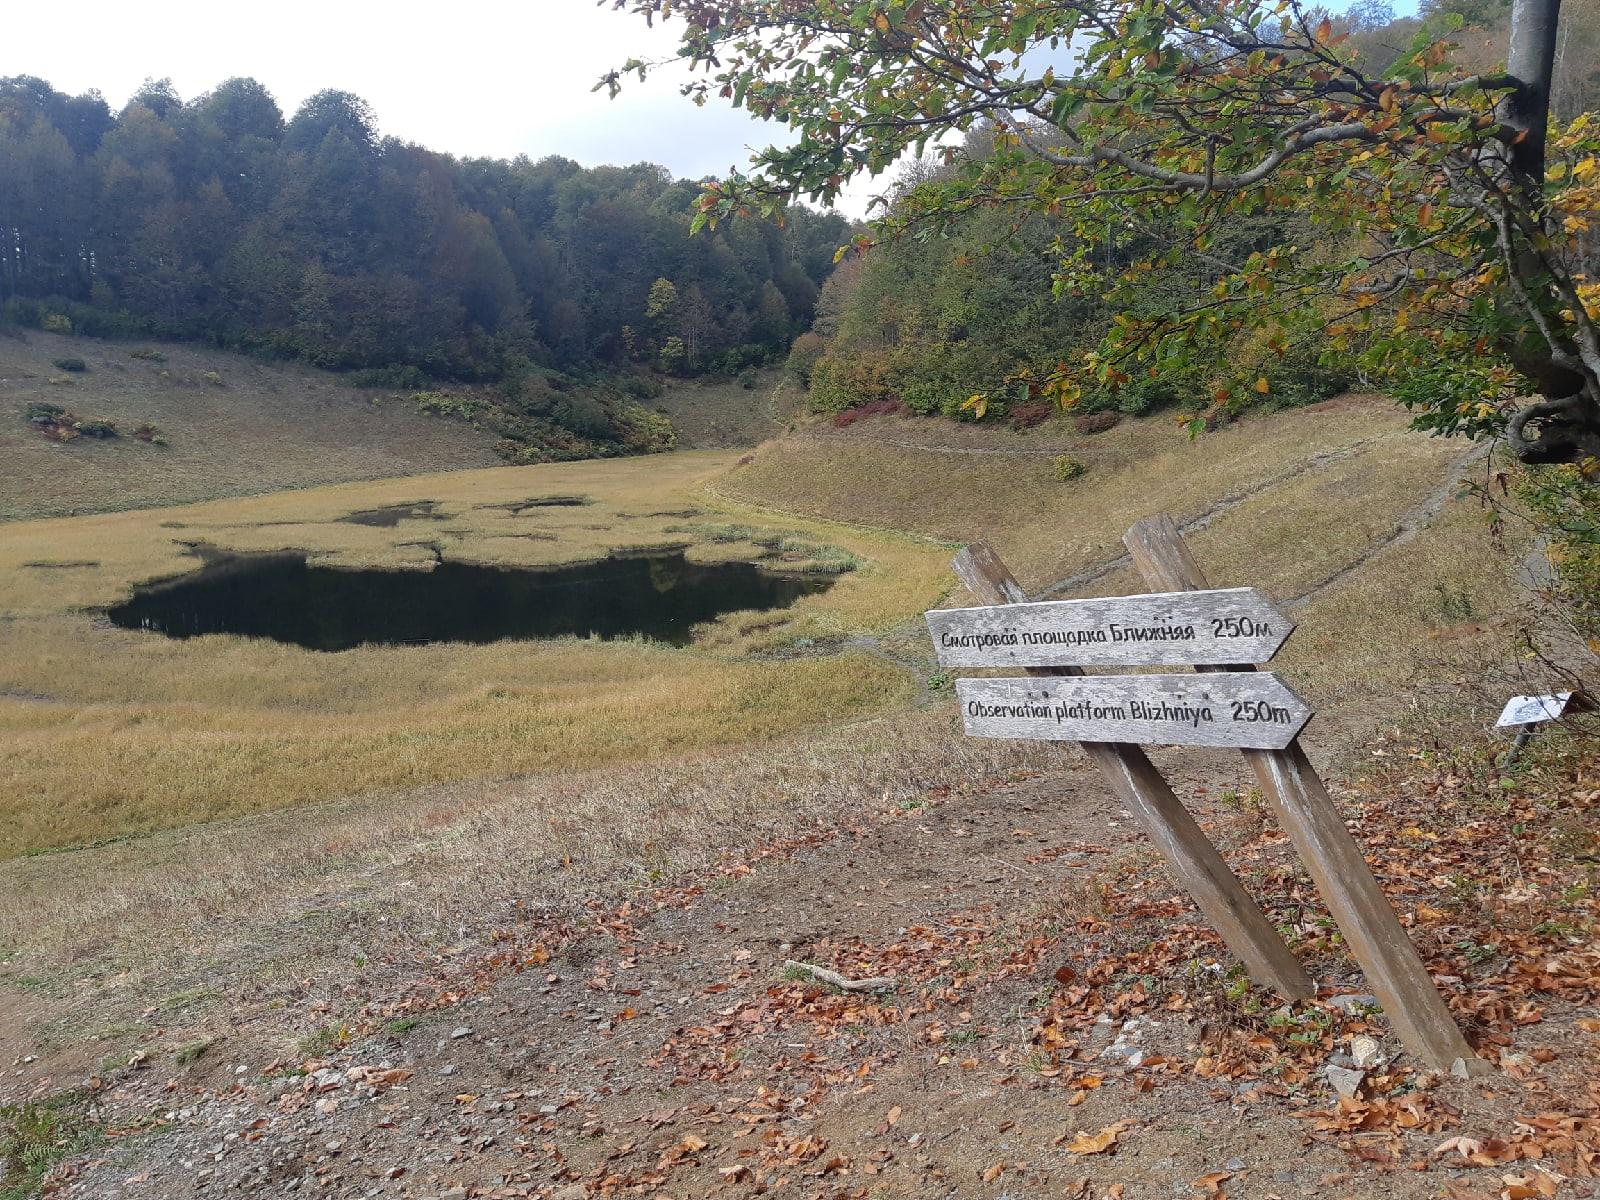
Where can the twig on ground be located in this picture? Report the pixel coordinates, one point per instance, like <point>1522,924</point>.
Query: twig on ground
<point>877,983</point>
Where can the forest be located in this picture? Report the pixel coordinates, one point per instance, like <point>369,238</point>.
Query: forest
<point>978,302</point>
<point>314,237</point>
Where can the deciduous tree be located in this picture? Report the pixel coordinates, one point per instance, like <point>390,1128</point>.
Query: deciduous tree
<point>1451,219</point>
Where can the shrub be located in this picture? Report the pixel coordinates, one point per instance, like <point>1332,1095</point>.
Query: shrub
<point>1300,378</point>
<point>71,364</point>
<point>803,356</point>
<point>1097,422</point>
<point>400,376</point>
<point>147,355</point>
<point>583,415</point>
<point>214,379</point>
<point>96,427</point>
<point>748,378</point>
<point>646,432</point>
<point>1141,395</point>
<point>150,434</point>
<point>640,387</point>
<point>878,408</point>
<point>841,383</point>
<point>56,323</point>
<point>41,413</point>
<point>674,355</point>
<point>1031,415</point>
<point>1067,467</point>
<point>447,404</point>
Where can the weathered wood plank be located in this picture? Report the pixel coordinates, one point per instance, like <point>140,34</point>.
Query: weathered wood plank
<point>1165,629</point>
<point>1189,854</point>
<point>1312,820</point>
<point>1234,711</point>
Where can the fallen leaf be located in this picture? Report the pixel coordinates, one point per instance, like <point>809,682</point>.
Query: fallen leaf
<point>1211,1184</point>
<point>1464,1146</point>
<point>993,1172</point>
<point>1099,1143</point>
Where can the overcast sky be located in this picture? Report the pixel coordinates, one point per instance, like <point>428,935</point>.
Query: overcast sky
<point>471,78</point>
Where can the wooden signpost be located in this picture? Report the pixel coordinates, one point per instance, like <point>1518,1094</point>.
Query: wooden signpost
<point>1173,629</point>
<point>1222,633</point>
<point>1224,710</point>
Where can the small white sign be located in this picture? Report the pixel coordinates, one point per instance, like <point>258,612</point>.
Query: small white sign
<point>1529,710</point>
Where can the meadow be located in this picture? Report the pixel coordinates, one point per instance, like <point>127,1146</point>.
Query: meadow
<point>225,807</point>
<point>114,731</point>
<point>232,426</point>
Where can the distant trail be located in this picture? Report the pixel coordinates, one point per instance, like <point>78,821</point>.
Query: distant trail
<point>1194,524</point>
<point>1407,527</point>
<point>818,433</point>
<point>1410,524</point>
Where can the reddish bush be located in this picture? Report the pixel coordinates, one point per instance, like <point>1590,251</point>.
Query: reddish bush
<point>877,408</point>
<point>1026,416</point>
<point>1096,422</point>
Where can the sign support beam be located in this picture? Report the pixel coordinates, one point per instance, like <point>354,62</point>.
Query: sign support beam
<point>1189,854</point>
<point>1308,814</point>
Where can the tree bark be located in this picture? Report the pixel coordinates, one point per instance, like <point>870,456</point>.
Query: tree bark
<point>1530,60</point>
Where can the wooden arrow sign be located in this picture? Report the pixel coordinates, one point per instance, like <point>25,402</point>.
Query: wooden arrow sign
<point>1228,626</point>
<point>1255,710</point>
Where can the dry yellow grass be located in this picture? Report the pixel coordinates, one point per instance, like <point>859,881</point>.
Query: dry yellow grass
<point>1340,506</point>
<point>217,411</point>
<point>1048,529</point>
<point>112,731</point>
<point>362,888</point>
<point>628,752</point>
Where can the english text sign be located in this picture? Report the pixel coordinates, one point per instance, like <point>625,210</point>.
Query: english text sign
<point>1249,711</point>
<point>1220,627</point>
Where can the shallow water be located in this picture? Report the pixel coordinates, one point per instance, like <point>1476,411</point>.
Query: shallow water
<point>659,596</point>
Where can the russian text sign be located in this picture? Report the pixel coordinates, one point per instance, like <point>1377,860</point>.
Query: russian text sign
<point>1226,626</point>
<point>1249,710</point>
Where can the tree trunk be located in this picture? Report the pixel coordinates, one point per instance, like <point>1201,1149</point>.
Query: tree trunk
<point>1565,425</point>
<point>1530,60</point>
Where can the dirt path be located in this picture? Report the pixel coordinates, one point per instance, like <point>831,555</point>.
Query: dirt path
<point>666,1052</point>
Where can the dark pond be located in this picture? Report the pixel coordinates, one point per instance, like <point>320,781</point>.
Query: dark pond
<point>658,596</point>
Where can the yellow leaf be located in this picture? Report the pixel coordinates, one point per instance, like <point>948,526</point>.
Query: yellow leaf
<point>1324,31</point>
<point>1263,386</point>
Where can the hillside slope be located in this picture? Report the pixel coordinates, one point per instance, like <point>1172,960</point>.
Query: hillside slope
<point>574,984</point>
<point>233,426</point>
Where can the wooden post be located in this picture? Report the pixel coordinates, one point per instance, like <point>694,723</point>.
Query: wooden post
<point>1188,852</point>
<point>1308,814</point>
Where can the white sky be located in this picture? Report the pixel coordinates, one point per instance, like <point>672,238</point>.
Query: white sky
<point>470,78</point>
